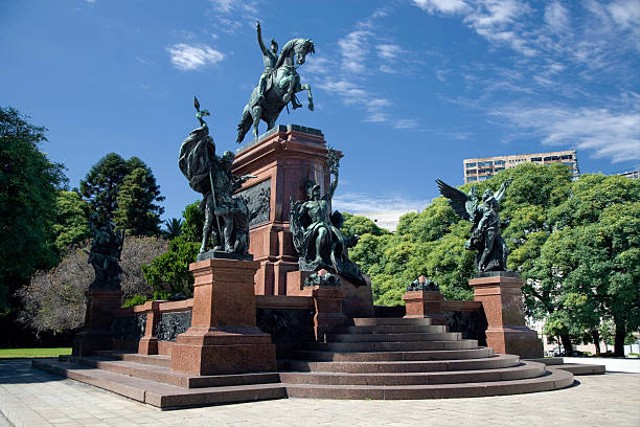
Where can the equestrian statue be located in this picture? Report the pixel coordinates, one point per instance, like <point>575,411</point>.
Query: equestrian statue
<point>277,86</point>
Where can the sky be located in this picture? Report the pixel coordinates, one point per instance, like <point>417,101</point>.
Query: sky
<point>405,89</point>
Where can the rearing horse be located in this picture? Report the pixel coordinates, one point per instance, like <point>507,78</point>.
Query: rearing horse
<point>282,86</point>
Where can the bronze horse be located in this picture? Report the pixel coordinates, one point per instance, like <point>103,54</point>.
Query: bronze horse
<point>281,88</point>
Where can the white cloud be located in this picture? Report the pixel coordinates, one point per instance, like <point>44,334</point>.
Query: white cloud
<point>363,202</point>
<point>406,124</point>
<point>625,13</point>
<point>556,16</point>
<point>606,134</point>
<point>442,6</point>
<point>388,51</point>
<point>193,57</point>
<point>354,49</point>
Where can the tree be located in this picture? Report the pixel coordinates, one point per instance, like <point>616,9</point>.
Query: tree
<point>54,300</point>
<point>168,274</point>
<point>575,243</point>
<point>125,191</point>
<point>355,225</point>
<point>72,220</point>
<point>137,213</point>
<point>173,228</point>
<point>29,182</point>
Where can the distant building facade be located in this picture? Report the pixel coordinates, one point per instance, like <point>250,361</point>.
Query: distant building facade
<point>631,175</point>
<point>483,168</point>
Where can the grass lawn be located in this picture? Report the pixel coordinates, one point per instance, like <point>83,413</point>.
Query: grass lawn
<point>34,352</point>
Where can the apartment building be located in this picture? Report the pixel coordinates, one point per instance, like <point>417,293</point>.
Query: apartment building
<point>482,168</point>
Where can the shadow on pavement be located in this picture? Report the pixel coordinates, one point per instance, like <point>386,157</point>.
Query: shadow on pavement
<point>20,371</point>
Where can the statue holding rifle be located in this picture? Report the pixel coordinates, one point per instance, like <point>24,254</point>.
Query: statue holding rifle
<point>226,226</point>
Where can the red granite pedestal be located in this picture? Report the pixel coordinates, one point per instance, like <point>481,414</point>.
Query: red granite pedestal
<point>501,297</point>
<point>425,304</point>
<point>96,333</point>
<point>223,337</point>
<point>357,301</point>
<point>148,344</point>
<point>283,160</point>
<point>328,306</point>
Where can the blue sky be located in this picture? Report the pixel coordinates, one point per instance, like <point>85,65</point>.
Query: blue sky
<point>406,89</point>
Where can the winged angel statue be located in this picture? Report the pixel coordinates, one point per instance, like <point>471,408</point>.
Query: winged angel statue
<point>485,237</point>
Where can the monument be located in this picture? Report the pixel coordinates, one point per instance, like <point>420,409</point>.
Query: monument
<point>277,86</point>
<point>316,231</point>
<point>223,337</point>
<point>499,290</point>
<point>210,175</point>
<point>104,295</point>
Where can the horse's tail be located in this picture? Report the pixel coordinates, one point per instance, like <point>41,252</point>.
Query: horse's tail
<point>244,125</point>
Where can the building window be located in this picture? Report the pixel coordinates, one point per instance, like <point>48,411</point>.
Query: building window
<point>471,171</point>
<point>481,164</point>
<point>536,159</point>
<point>567,157</point>
<point>499,162</point>
<point>472,178</point>
<point>471,165</point>
<point>499,169</point>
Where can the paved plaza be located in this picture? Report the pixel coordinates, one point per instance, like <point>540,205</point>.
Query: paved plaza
<point>32,398</point>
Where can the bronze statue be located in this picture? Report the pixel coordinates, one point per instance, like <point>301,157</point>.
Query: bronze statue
<point>210,175</point>
<point>269,57</point>
<point>485,237</point>
<point>277,86</point>
<point>423,284</point>
<point>104,257</point>
<point>316,232</point>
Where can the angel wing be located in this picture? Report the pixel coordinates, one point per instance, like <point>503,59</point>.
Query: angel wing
<point>463,204</point>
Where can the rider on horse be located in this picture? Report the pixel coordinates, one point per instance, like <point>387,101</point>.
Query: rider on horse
<point>269,57</point>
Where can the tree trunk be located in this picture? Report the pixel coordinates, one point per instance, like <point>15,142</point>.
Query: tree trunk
<point>595,336</point>
<point>566,343</point>
<point>621,333</point>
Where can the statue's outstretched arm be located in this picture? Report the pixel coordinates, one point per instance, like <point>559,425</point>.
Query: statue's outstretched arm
<point>260,42</point>
<point>502,191</point>
<point>334,182</point>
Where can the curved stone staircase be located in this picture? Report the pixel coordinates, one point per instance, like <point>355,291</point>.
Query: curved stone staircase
<point>378,358</point>
<point>390,358</point>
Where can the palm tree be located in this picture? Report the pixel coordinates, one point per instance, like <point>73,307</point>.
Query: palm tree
<point>174,228</point>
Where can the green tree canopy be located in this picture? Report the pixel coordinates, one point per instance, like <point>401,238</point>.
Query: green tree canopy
<point>29,182</point>
<point>168,274</point>
<point>72,220</point>
<point>575,243</point>
<point>126,192</point>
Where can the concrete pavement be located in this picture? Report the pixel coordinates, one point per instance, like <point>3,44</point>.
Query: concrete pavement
<point>29,397</point>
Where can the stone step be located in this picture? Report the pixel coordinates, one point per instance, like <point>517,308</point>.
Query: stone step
<point>161,395</point>
<point>387,356</point>
<point>390,346</point>
<point>405,337</point>
<point>495,362</point>
<point>168,376</point>
<point>376,321</point>
<point>550,381</point>
<point>580,369</point>
<point>390,329</point>
<point>521,371</point>
<point>147,359</point>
